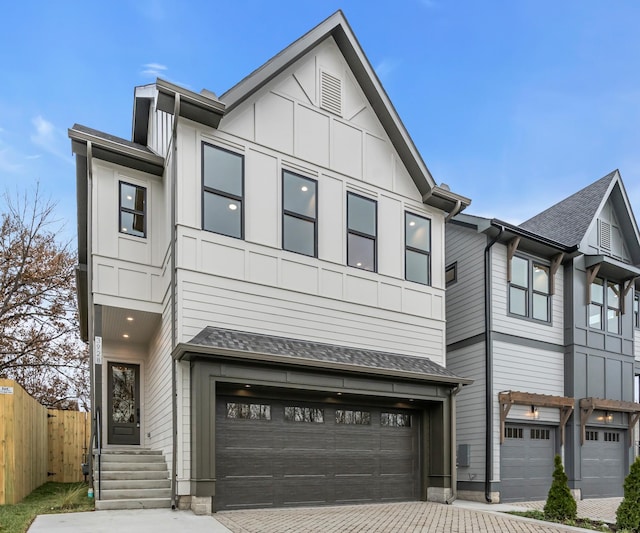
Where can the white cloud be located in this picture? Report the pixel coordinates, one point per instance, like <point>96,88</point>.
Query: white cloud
<point>8,163</point>
<point>153,70</point>
<point>49,138</point>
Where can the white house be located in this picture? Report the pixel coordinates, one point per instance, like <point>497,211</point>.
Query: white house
<point>261,279</point>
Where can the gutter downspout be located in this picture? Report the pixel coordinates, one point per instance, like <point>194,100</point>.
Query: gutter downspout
<point>488,325</point>
<point>454,466</point>
<point>454,211</point>
<point>90,311</point>
<point>174,311</point>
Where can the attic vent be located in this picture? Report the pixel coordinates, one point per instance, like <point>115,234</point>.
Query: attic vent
<point>605,235</point>
<point>330,93</point>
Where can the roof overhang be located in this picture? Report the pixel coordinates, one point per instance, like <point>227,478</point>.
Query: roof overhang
<point>612,268</point>
<point>193,106</point>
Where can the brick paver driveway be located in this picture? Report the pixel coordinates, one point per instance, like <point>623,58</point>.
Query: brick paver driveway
<point>411,517</point>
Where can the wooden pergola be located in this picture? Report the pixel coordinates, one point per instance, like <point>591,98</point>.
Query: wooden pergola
<point>509,398</point>
<point>587,406</point>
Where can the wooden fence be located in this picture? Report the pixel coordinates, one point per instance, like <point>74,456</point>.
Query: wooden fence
<point>37,444</point>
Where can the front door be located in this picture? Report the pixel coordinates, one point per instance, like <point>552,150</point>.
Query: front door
<point>124,403</point>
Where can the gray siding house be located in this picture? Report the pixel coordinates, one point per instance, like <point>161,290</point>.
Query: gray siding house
<point>543,316</point>
<point>262,285</point>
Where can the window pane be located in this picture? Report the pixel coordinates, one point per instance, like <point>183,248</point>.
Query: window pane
<point>132,197</point>
<point>132,224</point>
<point>299,195</point>
<point>519,275</point>
<point>299,236</point>
<point>361,215</point>
<point>222,170</point>
<point>417,267</point>
<point>597,291</point>
<point>595,316</point>
<point>451,274</point>
<point>613,323</point>
<point>613,299</point>
<point>222,215</point>
<point>541,307</point>
<point>361,252</point>
<point>418,232</point>
<point>541,278</point>
<point>517,301</point>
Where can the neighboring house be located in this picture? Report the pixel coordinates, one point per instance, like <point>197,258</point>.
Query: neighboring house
<point>262,283</point>
<point>545,314</point>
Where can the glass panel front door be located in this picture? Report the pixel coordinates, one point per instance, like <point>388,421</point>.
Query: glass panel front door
<point>124,403</point>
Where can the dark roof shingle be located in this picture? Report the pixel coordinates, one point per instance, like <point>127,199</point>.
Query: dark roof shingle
<point>287,348</point>
<point>567,221</point>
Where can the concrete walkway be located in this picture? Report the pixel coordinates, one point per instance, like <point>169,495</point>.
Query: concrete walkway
<point>409,517</point>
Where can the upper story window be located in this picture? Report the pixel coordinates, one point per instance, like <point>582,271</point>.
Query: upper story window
<point>299,214</point>
<point>636,310</point>
<point>133,209</point>
<point>529,289</point>
<point>417,254</point>
<point>362,230</point>
<point>605,305</point>
<point>222,191</point>
<point>451,274</point>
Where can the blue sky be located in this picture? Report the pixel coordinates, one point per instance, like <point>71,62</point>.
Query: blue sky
<point>515,104</point>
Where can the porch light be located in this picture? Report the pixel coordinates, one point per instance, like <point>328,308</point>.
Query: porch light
<point>125,335</point>
<point>130,319</point>
<point>534,412</point>
<point>608,417</point>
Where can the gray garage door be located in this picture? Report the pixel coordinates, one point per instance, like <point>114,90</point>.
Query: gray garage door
<point>603,464</point>
<point>279,453</point>
<point>526,462</point>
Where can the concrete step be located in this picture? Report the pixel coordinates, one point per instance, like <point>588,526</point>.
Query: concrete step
<point>131,458</point>
<point>113,466</point>
<point>132,494</point>
<point>132,474</point>
<point>140,484</point>
<point>128,451</point>
<point>137,503</point>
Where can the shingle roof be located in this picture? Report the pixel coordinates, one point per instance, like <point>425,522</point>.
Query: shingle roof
<point>568,221</point>
<point>289,350</point>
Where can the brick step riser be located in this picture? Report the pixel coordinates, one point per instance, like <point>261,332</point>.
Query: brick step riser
<point>132,475</point>
<point>139,484</point>
<point>134,494</point>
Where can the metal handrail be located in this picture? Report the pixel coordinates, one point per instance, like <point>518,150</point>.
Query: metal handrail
<point>98,436</point>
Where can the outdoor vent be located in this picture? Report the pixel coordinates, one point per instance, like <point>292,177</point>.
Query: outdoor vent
<point>330,93</point>
<point>605,235</point>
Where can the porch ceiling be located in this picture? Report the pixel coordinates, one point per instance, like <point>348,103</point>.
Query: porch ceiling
<point>116,323</point>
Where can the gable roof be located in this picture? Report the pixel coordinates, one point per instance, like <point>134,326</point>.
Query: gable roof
<point>569,220</point>
<point>241,345</point>
<point>336,26</point>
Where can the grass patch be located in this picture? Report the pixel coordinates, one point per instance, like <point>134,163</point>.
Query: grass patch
<point>50,498</point>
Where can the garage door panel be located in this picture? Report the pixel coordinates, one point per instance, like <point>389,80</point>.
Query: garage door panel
<point>603,463</point>
<point>291,459</point>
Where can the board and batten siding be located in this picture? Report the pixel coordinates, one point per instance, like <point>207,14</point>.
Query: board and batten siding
<point>470,407</point>
<point>465,297</point>
<point>521,327</point>
<point>636,344</point>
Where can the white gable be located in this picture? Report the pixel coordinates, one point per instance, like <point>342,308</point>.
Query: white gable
<point>290,115</point>
<point>606,236</point>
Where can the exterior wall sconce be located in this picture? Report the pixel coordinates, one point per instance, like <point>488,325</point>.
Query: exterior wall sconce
<point>608,417</point>
<point>534,412</point>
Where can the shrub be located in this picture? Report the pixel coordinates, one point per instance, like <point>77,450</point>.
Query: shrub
<point>628,513</point>
<point>560,504</point>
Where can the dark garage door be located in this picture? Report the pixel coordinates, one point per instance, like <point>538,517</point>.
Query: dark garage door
<point>526,462</point>
<point>603,454</point>
<point>280,453</point>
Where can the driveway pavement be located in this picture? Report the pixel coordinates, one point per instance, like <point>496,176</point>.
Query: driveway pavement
<point>410,517</point>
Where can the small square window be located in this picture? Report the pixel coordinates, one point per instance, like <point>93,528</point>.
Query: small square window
<point>451,274</point>
<point>133,207</point>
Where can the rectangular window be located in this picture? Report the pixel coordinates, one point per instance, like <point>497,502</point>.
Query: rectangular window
<point>417,244</point>
<point>362,230</point>
<point>451,274</point>
<point>513,433</point>
<point>395,420</point>
<point>299,214</point>
<point>222,191</point>
<point>303,414</point>
<point>529,289</point>
<point>540,434</point>
<point>360,418</point>
<point>610,436</point>
<point>248,411</point>
<point>133,207</point>
<point>604,308</point>
<point>591,435</point>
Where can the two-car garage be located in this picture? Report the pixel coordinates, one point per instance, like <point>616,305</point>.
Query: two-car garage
<point>275,453</point>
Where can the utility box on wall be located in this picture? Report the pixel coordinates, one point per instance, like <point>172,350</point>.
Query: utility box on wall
<point>464,455</point>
